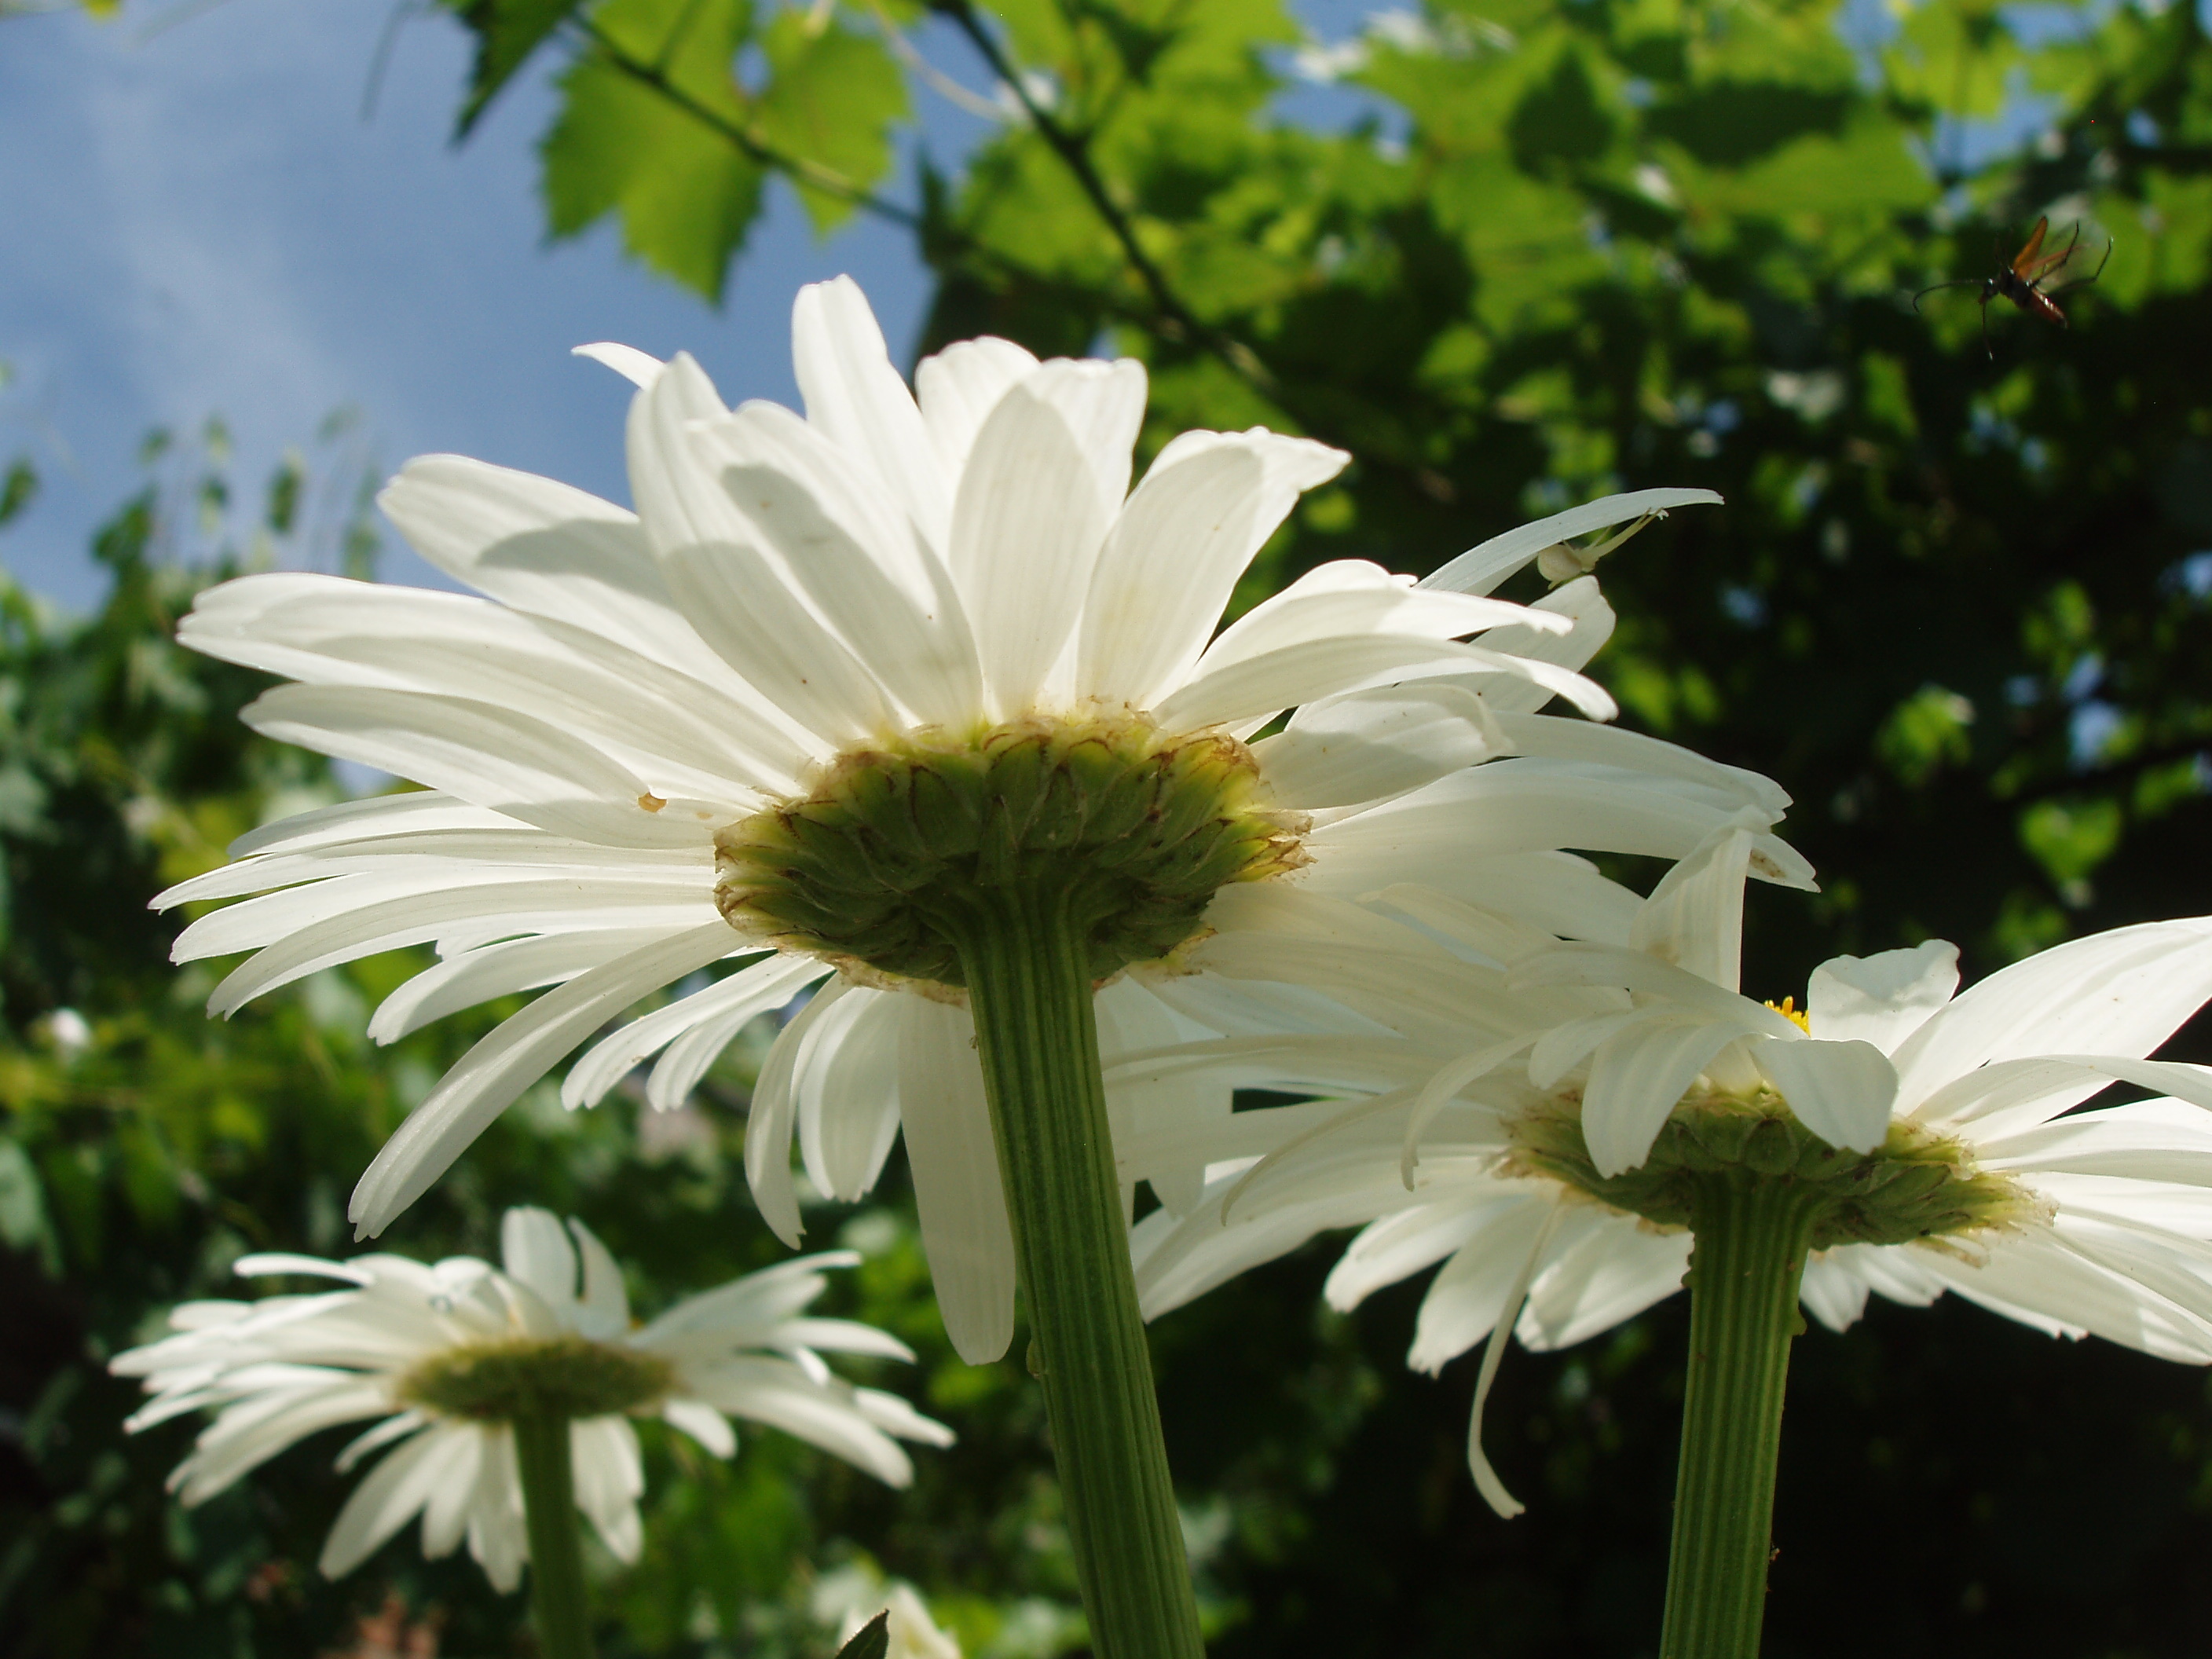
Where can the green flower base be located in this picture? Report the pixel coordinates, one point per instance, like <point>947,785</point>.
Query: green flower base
<point>1137,827</point>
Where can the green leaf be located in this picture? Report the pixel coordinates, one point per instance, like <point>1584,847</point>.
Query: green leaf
<point>1926,733</point>
<point>872,1641</point>
<point>20,485</point>
<point>508,32</point>
<point>2071,839</point>
<point>649,129</point>
<point>23,1223</point>
<point>832,98</point>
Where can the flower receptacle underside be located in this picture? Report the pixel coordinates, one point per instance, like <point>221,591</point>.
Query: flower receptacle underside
<point>1914,1186</point>
<point>901,841</point>
<point>562,1377</point>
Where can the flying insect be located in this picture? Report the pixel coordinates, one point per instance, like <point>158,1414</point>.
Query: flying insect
<point>2022,281</point>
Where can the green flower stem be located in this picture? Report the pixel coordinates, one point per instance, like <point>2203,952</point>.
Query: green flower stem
<point>1022,951</point>
<point>1752,1233</point>
<point>556,1556</point>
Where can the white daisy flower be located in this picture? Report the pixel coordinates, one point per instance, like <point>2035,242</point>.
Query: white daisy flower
<point>1942,1129</point>
<point>725,725</point>
<point>440,1355</point>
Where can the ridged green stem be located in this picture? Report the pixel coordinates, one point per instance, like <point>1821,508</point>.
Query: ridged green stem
<point>1753,1232</point>
<point>1023,953</point>
<point>557,1601</point>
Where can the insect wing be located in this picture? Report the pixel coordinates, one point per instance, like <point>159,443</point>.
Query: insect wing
<point>2025,264</point>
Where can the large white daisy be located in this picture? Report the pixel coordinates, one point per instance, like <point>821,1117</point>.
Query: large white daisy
<point>402,1343</point>
<point>631,707</point>
<point>1530,1123</point>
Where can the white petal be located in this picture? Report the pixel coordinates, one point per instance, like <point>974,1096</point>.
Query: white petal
<point>687,736</point>
<point>1634,970</point>
<point>522,768</point>
<point>856,398</point>
<point>1373,745</point>
<point>1353,596</point>
<point>1263,686</point>
<point>386,1500</point>
<point>1614,1272</point>
<point>1555,736</point>
<point>1465,1300</point>
<point>2121,993</point>
<point>761,985</point>
<point>2008,1096</point>
<point>688,1058</point>
<point>1341,1182</point>
<point>894,1416</point>
<point>498,1537</point>
<point>602,1451</point>
<point>2036,1278</point>
<point>487,1080</point>
<point>534,1248</point>
<point>640,368</point>
<point>742,608</point>
<point>247,1434</point>
<point>1484,565</point>
<point>1885,998</point>
<point>704,1424</point>
<point>1103,404</point>
<point>2151,1140</point>
<point>548,549</point>
<point>1637,1077</point>
<point>1528,805</point>
<point>1206,508</point>
<point>603,1313</point>
<point>959,386</point>
<point>1397,1246</point>
<point>1831,1292</point>
<point>779,1393</point>
<point>1159,1109</point>
<point>956,1187</point>
<point>775,1111</point>
<point>1026,528</point>
<point>1590,623</point>
<point>743,1311</point>
<point>1694,917</point>
<point>1900,1272</point>
<point>1842,1091</point>
<point>802,517</point>
<point>848,1097</point>
<point>445,1511</point>
<point>364,822</point>
<point>469,977</point>
<point>452,918</point>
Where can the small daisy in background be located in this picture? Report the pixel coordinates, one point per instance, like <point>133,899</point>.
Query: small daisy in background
<point>461,1363</point>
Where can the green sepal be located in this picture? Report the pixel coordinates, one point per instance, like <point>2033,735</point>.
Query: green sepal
<point>872,1641</point>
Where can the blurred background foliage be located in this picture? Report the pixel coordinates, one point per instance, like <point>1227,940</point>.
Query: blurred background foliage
<point>1510,255</point>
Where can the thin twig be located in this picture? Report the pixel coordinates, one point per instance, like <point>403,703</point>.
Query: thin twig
<point>1074,153</point>
<point>810,174</point>
<point>935,78</point>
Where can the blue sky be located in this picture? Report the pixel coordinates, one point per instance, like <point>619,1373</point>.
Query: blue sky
<point>197,219</point>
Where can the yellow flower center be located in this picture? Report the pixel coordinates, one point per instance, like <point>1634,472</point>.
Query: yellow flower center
<point>1788,1010</point>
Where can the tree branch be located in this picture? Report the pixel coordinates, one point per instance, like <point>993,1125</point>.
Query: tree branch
<point>1075,155</point>
<point>813,174</point>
